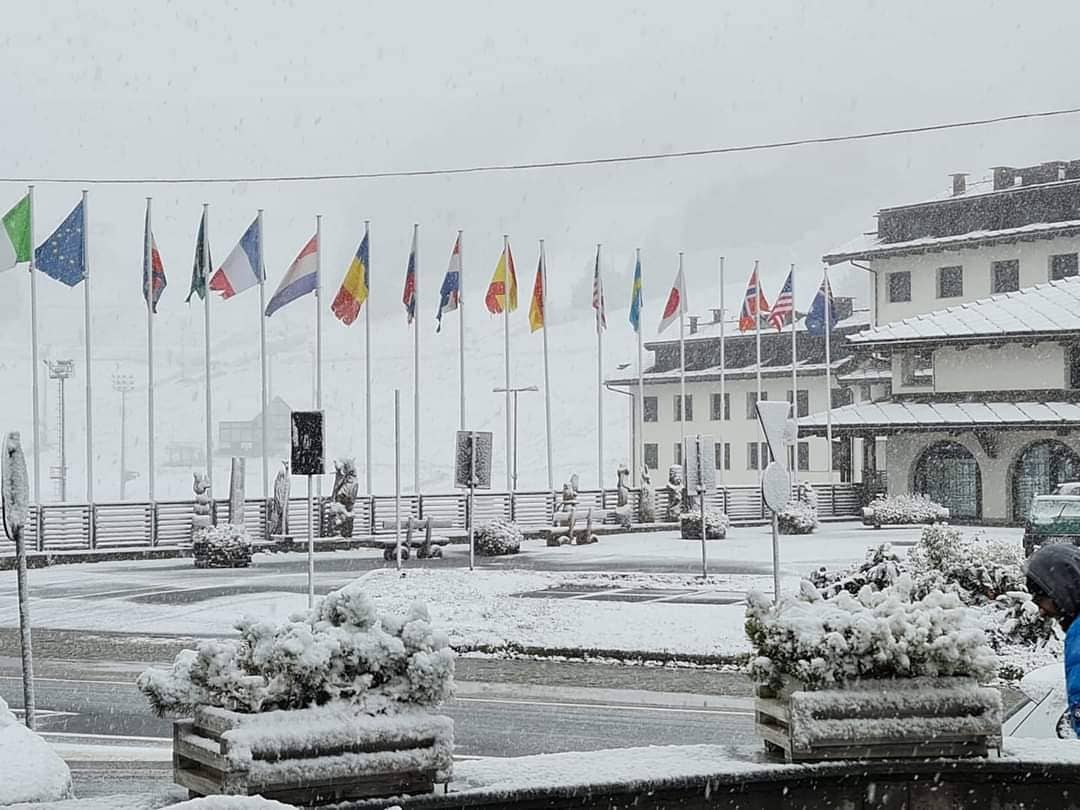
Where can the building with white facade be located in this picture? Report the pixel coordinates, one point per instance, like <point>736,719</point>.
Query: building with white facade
<point>976,321</point>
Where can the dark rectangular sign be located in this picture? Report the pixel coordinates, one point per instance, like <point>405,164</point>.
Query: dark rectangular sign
<point>307,443</point>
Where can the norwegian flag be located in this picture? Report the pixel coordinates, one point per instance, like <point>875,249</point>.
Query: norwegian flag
<point>408,296</point>
<point>598,295</point>
<point>783,307</point>
<point>754,304</point>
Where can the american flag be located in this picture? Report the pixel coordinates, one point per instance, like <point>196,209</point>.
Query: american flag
<point>598,295</point>
<point>784,306</point>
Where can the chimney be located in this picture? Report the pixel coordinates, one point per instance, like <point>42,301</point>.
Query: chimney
<point>1003,177</point>
<point>959,183</point>
<point>693,323</point>
<point>1018,179</point>
<point>717,314</point>
<point>1061,171</point>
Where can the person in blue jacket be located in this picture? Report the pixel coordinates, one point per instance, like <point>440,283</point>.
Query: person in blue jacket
<point>1053,579</point>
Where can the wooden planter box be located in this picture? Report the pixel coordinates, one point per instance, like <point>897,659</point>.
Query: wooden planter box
<point>878,719</point>
<point>311,756</point>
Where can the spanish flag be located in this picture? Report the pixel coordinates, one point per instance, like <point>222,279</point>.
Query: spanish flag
<point>496,291</point>
<point>536,308</point>
<point>354,288</point>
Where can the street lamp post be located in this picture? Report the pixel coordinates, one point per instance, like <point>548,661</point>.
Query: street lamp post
<point>514,392</point>
<point>123,383</point>
<point>60,370</point>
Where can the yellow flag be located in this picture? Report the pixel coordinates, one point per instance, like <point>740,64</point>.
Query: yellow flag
<point>496,291</point>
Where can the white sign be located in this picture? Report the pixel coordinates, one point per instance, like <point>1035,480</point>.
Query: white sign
<point>775,486</point>
<point>699,463</point>
<point>773,417</point>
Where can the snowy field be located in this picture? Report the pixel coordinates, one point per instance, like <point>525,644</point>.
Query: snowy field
<point>479,609</point>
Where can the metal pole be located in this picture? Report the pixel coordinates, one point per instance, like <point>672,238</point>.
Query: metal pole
<point>89,376</point>
<point>367,366</point>
<point>515,439</point>
<point>149,292</point>
<point>416,361</point>
<point>123,444</point>
<point>757,366</point>
<point>262,356</point>
<point>461,330</point>
<point>794,388</point>
<point>310,546</point>
<point>723,377</point>
<point>599,384</point>
<point>828,374</point>
<point>682,365</point>
<point>506,354</point>
<point>640,426</point>
<point>701,498</point>
<point>34,356</point>
<point>24,629</point>
<point>63,444</point>
<point>397,476</point>
<point>775,558</point>
<point>318,332</point>
<point>472,499</point>
<point>206,345</point>
<point>547,377</point>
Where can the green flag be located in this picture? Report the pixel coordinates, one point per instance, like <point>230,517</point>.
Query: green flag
<point>15,235</point>
<point>200,271</point>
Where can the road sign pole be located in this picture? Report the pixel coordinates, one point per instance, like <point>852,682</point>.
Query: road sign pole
<point>776,557</point>
<point>14,491</point>
<point>472,499</point>
<point>310,546</point>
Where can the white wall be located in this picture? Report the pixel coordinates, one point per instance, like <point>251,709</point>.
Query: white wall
<point>1034,260</point>
<point>1011,367</point>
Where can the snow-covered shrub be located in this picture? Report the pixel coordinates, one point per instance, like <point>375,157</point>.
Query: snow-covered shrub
<point>881,568</point>
<point>981,567</point>
<point>904,509</point>
<point>716,525</point>
<point>807,494</point>
<point>343,650</point>
<point>497,538</point>
<point>797,517</point>
<point>225,546</point>
<point>1017,620</point>
<point>874,634</point>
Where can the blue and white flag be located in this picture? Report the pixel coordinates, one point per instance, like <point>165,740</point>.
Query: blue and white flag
<point>300,279</point>
<point>450,292</point>
<point>243,268</point>
<point>61,256</point>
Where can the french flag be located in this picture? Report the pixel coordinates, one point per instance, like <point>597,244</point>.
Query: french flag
<point>300,279</point>
<point>242,269</point>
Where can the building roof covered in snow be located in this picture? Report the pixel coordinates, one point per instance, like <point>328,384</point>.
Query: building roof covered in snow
<point>885,417</point>
<point>1049,309</point>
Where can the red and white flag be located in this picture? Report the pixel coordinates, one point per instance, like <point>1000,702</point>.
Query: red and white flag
<point>676,302</point>
<point>754,304</point>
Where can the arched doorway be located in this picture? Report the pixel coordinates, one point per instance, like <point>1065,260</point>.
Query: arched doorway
<point>1041,467</point>
<point>948,473</point>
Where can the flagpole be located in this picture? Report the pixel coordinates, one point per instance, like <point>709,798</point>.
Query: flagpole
<point>148,272</point>
<point>261,269</point>
<point>461,330</point>
<point>757,326</point>
<point>682,361</point>
<point>318,338</point>
<point>794,385</point>
<point>506,353</point>
<point>828,374</point>
<point>89,374</point>
<point>416,359</point>
<point>34,356</point>
<point>547,376</point>
<point>206,346</point>
<point>723,375</point>
<point>367,363</point>
<point>599,382</point>
<point>640,444</point>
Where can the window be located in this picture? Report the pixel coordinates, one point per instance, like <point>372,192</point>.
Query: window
<point>950,282</point>
<point>751,403</point>
<point>841,397</point>
<point>689,408</point>
<point>912,366</point>
<point>804,456</point>
<point>649,408</point>
<point>1004,276</point>
<point>722,453</point>
<point>718,412</point>
<point>1074,366</point>
<point>727,455</point>
<point>899,286</point>
<point>804,402</point>
<point>757,455</point>
<point>652,456</point>
<point>677,453</point>
<point>1063,265</point>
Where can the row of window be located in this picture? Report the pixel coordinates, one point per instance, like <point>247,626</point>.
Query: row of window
<point>1004,277</point>
<point>721,406</point>
<point>757,455</point>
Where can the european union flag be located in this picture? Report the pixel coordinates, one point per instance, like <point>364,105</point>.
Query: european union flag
<point>815,318</point>
<point>61,255</point>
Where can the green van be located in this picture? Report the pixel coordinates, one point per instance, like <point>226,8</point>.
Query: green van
<point>1052,519</point>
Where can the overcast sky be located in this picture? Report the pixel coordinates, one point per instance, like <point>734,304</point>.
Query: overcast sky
<point>187,89</point>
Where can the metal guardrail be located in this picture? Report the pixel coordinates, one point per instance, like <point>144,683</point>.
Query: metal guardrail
<point>137,524</point>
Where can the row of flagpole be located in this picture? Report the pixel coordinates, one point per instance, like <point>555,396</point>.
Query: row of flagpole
<point>245,268</point>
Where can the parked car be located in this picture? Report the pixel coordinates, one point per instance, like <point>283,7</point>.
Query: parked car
<point>1052,519</point>
<point>1067,488</point>
<point>1044,712</point>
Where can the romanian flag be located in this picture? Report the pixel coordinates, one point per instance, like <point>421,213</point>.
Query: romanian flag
<point>754,304</point>
<point>536,308</point>
<point>354,288</point>
<point>496,291</point>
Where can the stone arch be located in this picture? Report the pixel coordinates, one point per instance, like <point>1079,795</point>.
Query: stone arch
<point>948,472</point>
<point>1039,467</point>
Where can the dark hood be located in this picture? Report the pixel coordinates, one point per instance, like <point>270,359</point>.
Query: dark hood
<point>1055,570</point>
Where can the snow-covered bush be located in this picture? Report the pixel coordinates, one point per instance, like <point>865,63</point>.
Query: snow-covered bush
<point>223,546</point>
<point>881,568</point>
<point>497,538</point>
<point>982,567</point>
<point>343,650</point>
<point>716,525</point>
<point>874,634</point>
<point>1017,620</point>
<point>797,517</point>
<point>30,769</point>
<point>807,494</point>
<point>904,509</point>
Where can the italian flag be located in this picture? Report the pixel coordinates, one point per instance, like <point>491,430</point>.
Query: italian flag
<point>15,235</point>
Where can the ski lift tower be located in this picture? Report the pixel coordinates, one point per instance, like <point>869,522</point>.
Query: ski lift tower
<point>60,370</point>
<point>124,384</point>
